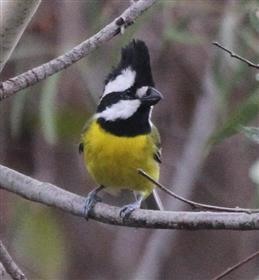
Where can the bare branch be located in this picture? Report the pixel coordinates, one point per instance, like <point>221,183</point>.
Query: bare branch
<point>2,271</point>
<point>51,195</point>
<point>43,71</point>
<point>236,266</point>
<point>15,16</point>
<point>232,54</point>
<point>10,266</point>
<point>197,205</point>
<point>188,170</point>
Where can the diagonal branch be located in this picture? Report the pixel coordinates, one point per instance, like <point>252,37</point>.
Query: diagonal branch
<point>232,54</point>
<point>197,205</point>
<point>10,266</point>
<point>188,170</point>
<point>43,71</point>
<point>15,16</point>
<point>51,195</point>
<point>236,266</point>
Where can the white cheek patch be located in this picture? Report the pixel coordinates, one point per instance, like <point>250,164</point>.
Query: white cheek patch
<point>122,82</point>
<point>141,91</point>
<point>124,109</point>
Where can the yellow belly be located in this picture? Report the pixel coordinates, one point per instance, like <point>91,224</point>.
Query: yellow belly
<point>113,161</point>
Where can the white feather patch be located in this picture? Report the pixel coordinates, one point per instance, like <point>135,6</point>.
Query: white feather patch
<point>150,115</point>
<point>124,109</point>
<point>122,82</point>
<point>141,91</point>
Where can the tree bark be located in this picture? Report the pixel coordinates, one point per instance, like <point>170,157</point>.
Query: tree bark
<point>15,16</point>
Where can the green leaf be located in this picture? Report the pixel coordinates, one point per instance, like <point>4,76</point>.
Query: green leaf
<point>241,116</point>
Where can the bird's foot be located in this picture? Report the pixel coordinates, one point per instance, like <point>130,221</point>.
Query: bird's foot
<point>121,24</point>
<point>128,209</point>
<point>90,202</point>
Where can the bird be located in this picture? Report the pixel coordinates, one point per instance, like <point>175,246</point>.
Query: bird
<point>120,138</point>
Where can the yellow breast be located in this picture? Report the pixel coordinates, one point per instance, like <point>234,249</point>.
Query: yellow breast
<point>113,161</point>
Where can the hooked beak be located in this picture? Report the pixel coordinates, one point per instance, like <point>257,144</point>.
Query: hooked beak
<point>151,97</point>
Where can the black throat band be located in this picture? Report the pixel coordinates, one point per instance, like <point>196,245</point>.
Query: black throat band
<point>138,124</point>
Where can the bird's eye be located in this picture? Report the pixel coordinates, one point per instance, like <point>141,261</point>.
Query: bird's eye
<point>148,92</point>
<point>127,94</point>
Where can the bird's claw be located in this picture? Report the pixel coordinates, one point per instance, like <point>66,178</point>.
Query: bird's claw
<point>90,202</point>
<point>128,209</point>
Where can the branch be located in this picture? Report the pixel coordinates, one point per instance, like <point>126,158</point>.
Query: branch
<point>232,54</point>
<point>51,195</point>
<point>197,205</point>
<point>2,271</point>
<point>43,71</point>
<point>10,266</point>
<point>15,16</point>
<point>187,171</point>
<point>236,266</point>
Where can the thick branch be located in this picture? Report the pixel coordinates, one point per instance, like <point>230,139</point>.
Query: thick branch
<point>10,266</point>
<point>15,16</point>
<point>51,195</point>
<point>43,71</point>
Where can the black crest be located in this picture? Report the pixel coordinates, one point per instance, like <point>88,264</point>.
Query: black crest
<point>136,56</point>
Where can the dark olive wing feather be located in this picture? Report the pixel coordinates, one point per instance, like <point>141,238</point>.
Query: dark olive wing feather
<point>157,141</point>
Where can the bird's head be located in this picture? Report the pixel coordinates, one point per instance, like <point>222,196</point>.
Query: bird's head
<point>129,93</point>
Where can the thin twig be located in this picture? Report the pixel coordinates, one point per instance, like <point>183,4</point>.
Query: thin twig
<point>189,166</point>
<point>232,54</point>
<point>10,266</point>
<point>43,71</point>
<point>194,204</point>
<point>236,266</point>
<point>50,195</point>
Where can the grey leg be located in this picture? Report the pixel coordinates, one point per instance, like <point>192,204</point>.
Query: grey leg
<point>91,200</point>
<point>129,208</point>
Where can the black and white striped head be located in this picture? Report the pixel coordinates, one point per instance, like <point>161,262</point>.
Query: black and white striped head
<point>129,93</point>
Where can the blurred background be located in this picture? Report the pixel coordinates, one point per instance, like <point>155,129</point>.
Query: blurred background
<point>208,97</point>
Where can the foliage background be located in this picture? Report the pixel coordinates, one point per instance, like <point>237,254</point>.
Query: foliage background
<point>40,130</point>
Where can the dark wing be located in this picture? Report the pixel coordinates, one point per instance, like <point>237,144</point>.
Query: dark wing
<point>153,201</point>
<point>81,144</point>
<point>157,141</point>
